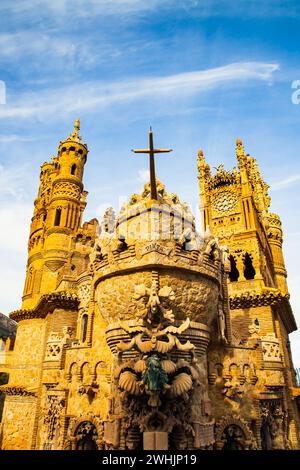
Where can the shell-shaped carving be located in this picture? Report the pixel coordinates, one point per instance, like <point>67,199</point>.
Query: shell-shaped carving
<point>140,366</point>
<point>168,366</point>
<point>128,382</point>
<point>165,346</point>
<point>144,346</point>
<point>181,384</point>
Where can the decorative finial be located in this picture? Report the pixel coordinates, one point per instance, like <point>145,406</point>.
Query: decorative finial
<point>200,153</point>
<point>239,141</point>
<point>75,134</point>
<point>77,125</point>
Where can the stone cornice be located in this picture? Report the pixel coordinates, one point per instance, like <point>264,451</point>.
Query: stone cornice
<point>207,270</point>
<point>257,299</point>
<point>46,304</point>
<point>266,297</point>
<point>17,391</point>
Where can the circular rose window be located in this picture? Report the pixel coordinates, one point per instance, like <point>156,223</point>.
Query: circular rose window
<point>225,201</point>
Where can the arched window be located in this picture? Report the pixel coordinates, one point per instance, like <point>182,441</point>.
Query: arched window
<point>84,324</point>
<point>73,169</point>
<point>57,217</point>
<point>234,273</point>
<point>249,271</point>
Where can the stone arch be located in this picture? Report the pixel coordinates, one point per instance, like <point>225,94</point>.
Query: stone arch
<point>234,369</point>
<point>100,365</point>
<point>72,371</point>
<point>231,421</point>
<point>85,371</point>
<point>247,372</point>
<point>219,369</point>
<point>74,435</point>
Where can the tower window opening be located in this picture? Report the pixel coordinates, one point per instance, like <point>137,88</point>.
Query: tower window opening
<point>84,323</point>
<point>73,169</point>
<point>249,271</point>
<point>57,217</point>
<point>11,344</point>
<point>234,273</point>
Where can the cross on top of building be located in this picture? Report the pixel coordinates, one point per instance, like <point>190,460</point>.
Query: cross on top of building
<point>151,151</point>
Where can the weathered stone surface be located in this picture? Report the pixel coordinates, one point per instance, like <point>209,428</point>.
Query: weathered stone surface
<point>131,335</point>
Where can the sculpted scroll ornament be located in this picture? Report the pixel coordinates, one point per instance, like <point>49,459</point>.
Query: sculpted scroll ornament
<point>155,373</point>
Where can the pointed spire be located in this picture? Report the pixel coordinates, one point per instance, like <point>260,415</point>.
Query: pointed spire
<point>75,134</point>
<point>201,160</point>
<point>240,152</point>
<point>77,125</point>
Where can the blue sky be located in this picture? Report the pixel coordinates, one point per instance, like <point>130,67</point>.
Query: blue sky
<point>201,73</point>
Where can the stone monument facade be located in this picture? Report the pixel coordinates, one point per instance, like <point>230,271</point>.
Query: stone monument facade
<point>140,333</point>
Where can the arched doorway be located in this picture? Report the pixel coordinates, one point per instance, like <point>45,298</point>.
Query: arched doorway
<point>233,438</point>
<point>86,436</point>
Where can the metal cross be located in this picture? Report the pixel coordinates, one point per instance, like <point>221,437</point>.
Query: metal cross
<point>151,151</point>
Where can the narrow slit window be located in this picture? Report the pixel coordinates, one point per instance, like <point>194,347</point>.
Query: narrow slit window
<point>249,271</point>
<point>73,169</point>
<point>84,324</point>
<point>57,217</point>
<point>234,273</point>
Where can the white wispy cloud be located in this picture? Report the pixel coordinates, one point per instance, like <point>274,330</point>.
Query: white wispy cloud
<point>285,182</point>
<point>17,217</point>
<point>7,139</point>
<point>82,8</point>
<point>59,9</point>
<point>13,182</point>
<point>14,45</point>
<point>50,49</point>
<point>91,95</point>
<point>143,175</point>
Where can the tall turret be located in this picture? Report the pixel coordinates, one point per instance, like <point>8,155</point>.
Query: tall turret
<point>57,216</point>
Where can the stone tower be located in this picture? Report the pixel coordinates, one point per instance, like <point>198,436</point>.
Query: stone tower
<point>57,217</point>
<point>235,209</point>
<point>130,335</point>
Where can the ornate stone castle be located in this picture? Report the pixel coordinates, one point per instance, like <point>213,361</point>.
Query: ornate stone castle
<point>139,333</point>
